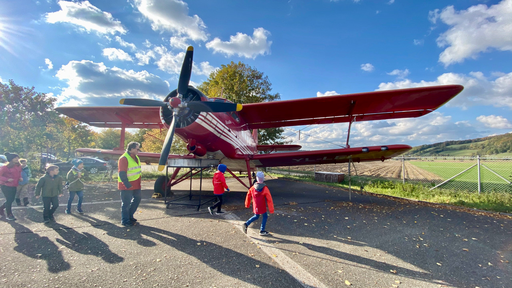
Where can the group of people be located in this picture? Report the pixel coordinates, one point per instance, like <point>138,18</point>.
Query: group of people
<point>14,180</point>
<point>15,175</point>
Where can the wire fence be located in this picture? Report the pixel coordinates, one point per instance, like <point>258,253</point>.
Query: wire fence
<point>473,174</point>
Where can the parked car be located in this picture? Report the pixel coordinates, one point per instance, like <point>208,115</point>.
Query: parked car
<point>91,164</point>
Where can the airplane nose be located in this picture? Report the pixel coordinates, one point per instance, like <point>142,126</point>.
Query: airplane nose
<point>175,102</point>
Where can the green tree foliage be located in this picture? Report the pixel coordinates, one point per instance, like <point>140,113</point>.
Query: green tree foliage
<point>110,138</point>
<point>27,119</point>
<point>243,84</point>
<point>154,139</point>
<point>74,134</point>
<point>483,146</point>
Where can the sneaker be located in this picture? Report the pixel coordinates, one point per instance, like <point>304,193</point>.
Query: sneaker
<point>67,211</point>
<point>52,219</point>
<point>209,210</point>
<point>127,224</point>
<point>79,211</point>
<point>245,228</point>
<point>220,212</point>
<point>18,201</point>
<point>10,218</point>
<point>264,233</point>
<point>46,221</point>
<point>133,220</point>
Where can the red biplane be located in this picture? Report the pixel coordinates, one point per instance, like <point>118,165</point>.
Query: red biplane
<point>217,129</point>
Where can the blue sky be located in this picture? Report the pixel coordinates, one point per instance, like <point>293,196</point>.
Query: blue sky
<point>96,52</point>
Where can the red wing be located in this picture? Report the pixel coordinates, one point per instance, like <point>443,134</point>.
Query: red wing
<point>113,117</point>
<point>358,154</point>
<point>379,105</point>
<point>115,154</point>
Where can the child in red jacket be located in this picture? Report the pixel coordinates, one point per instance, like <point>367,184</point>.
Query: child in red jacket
<point>261,198</point>
<point>219,184</point>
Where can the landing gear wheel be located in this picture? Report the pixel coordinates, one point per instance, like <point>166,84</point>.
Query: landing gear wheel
<point>161,186</point>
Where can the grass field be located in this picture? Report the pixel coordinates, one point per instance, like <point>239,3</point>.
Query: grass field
<point>489,171</point>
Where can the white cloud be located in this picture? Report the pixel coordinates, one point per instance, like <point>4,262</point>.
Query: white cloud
<point>475,30</point>
<point>478,90</point>
<point>116,54</point>
<point>126,44</point>
<point>87,17</point>
<point>1,80</point>
<point>367,67</point>
<point>243,44</point>
<point>169,62</point>
<point>391,2</point>
<point>399,73</point>
<point>172,15</point>
<point>204,69</point>
<point>144,57</point>
<point>432,128</point>
<point>179,42</point>
<point>418,42</point>
<point>49,63</point>
<point>327,93</point>
<point>91,83</point>
<point>497,122</point>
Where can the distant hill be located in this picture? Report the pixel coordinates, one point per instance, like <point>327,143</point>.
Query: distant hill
<point>500,145</point>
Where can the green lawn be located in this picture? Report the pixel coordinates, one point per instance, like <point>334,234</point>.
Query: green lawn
<point>469,179</point>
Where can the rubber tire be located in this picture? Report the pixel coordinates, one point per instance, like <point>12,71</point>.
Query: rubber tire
<point>160,184</point>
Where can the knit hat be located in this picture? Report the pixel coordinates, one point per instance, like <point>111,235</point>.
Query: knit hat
<point>76,162</point>
<point>11,156</point>
<point>260,177</point>
<point>222,168</point>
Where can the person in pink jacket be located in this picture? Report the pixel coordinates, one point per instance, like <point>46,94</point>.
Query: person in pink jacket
<point>219,184</point>
<point>10,175</point>
<point>260,195</point>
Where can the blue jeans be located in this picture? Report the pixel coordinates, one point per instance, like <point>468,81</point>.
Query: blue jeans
<point>72,197</point>
<point>255,217</point>
<point>130,200</point>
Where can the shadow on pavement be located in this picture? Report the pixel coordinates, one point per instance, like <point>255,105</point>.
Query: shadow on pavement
<point>34,246</point>
<point>224,260</point>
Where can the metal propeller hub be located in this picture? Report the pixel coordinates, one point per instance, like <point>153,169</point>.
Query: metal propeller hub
<point>175,102</point>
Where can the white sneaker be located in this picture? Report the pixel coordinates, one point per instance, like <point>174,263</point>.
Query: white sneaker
<point>210,210</point>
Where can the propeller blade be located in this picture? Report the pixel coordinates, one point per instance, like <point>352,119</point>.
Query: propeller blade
<point>166,148</point>
<point>142,102</point>
<point>186,71</point>
<point>206,106</point>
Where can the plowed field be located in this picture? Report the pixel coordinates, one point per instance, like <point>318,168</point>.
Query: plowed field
<point>388,169</point>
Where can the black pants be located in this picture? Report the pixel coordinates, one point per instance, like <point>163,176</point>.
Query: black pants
<point>217,204</point>
<point>10,194</point>
<point>47,211</point>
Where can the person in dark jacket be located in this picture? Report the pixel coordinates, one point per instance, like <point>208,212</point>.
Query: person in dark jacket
<point>50,187</point>
<point>76,185</point>
<point>22,190</point>
<point>10,175</point>
<point>260,196</point>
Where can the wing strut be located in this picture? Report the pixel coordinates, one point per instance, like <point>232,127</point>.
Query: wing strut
<point>350,109</point>
<point>248,163</point>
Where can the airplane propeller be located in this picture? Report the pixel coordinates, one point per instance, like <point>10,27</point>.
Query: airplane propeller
<point>177,103</point>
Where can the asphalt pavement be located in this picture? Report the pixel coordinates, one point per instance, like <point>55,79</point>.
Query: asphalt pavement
<point>319,238</point>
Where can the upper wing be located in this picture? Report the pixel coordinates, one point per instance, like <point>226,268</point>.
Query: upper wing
<point>357,154</point>
<point>379,105</point>
<point>114,154</point>
<point>115,117</point>
<point>276,147</point>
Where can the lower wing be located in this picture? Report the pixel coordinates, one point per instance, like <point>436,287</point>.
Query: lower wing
<point>357,154</point>
<point>115,154</point>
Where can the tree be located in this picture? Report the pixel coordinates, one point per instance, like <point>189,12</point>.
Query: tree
<point>110,138</point>
<point>241,83</point>
<point>27,118</point>
<point>154,139</point>
<point>75,135</point>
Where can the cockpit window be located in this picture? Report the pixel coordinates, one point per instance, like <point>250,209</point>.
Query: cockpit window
<point>235,116</point>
